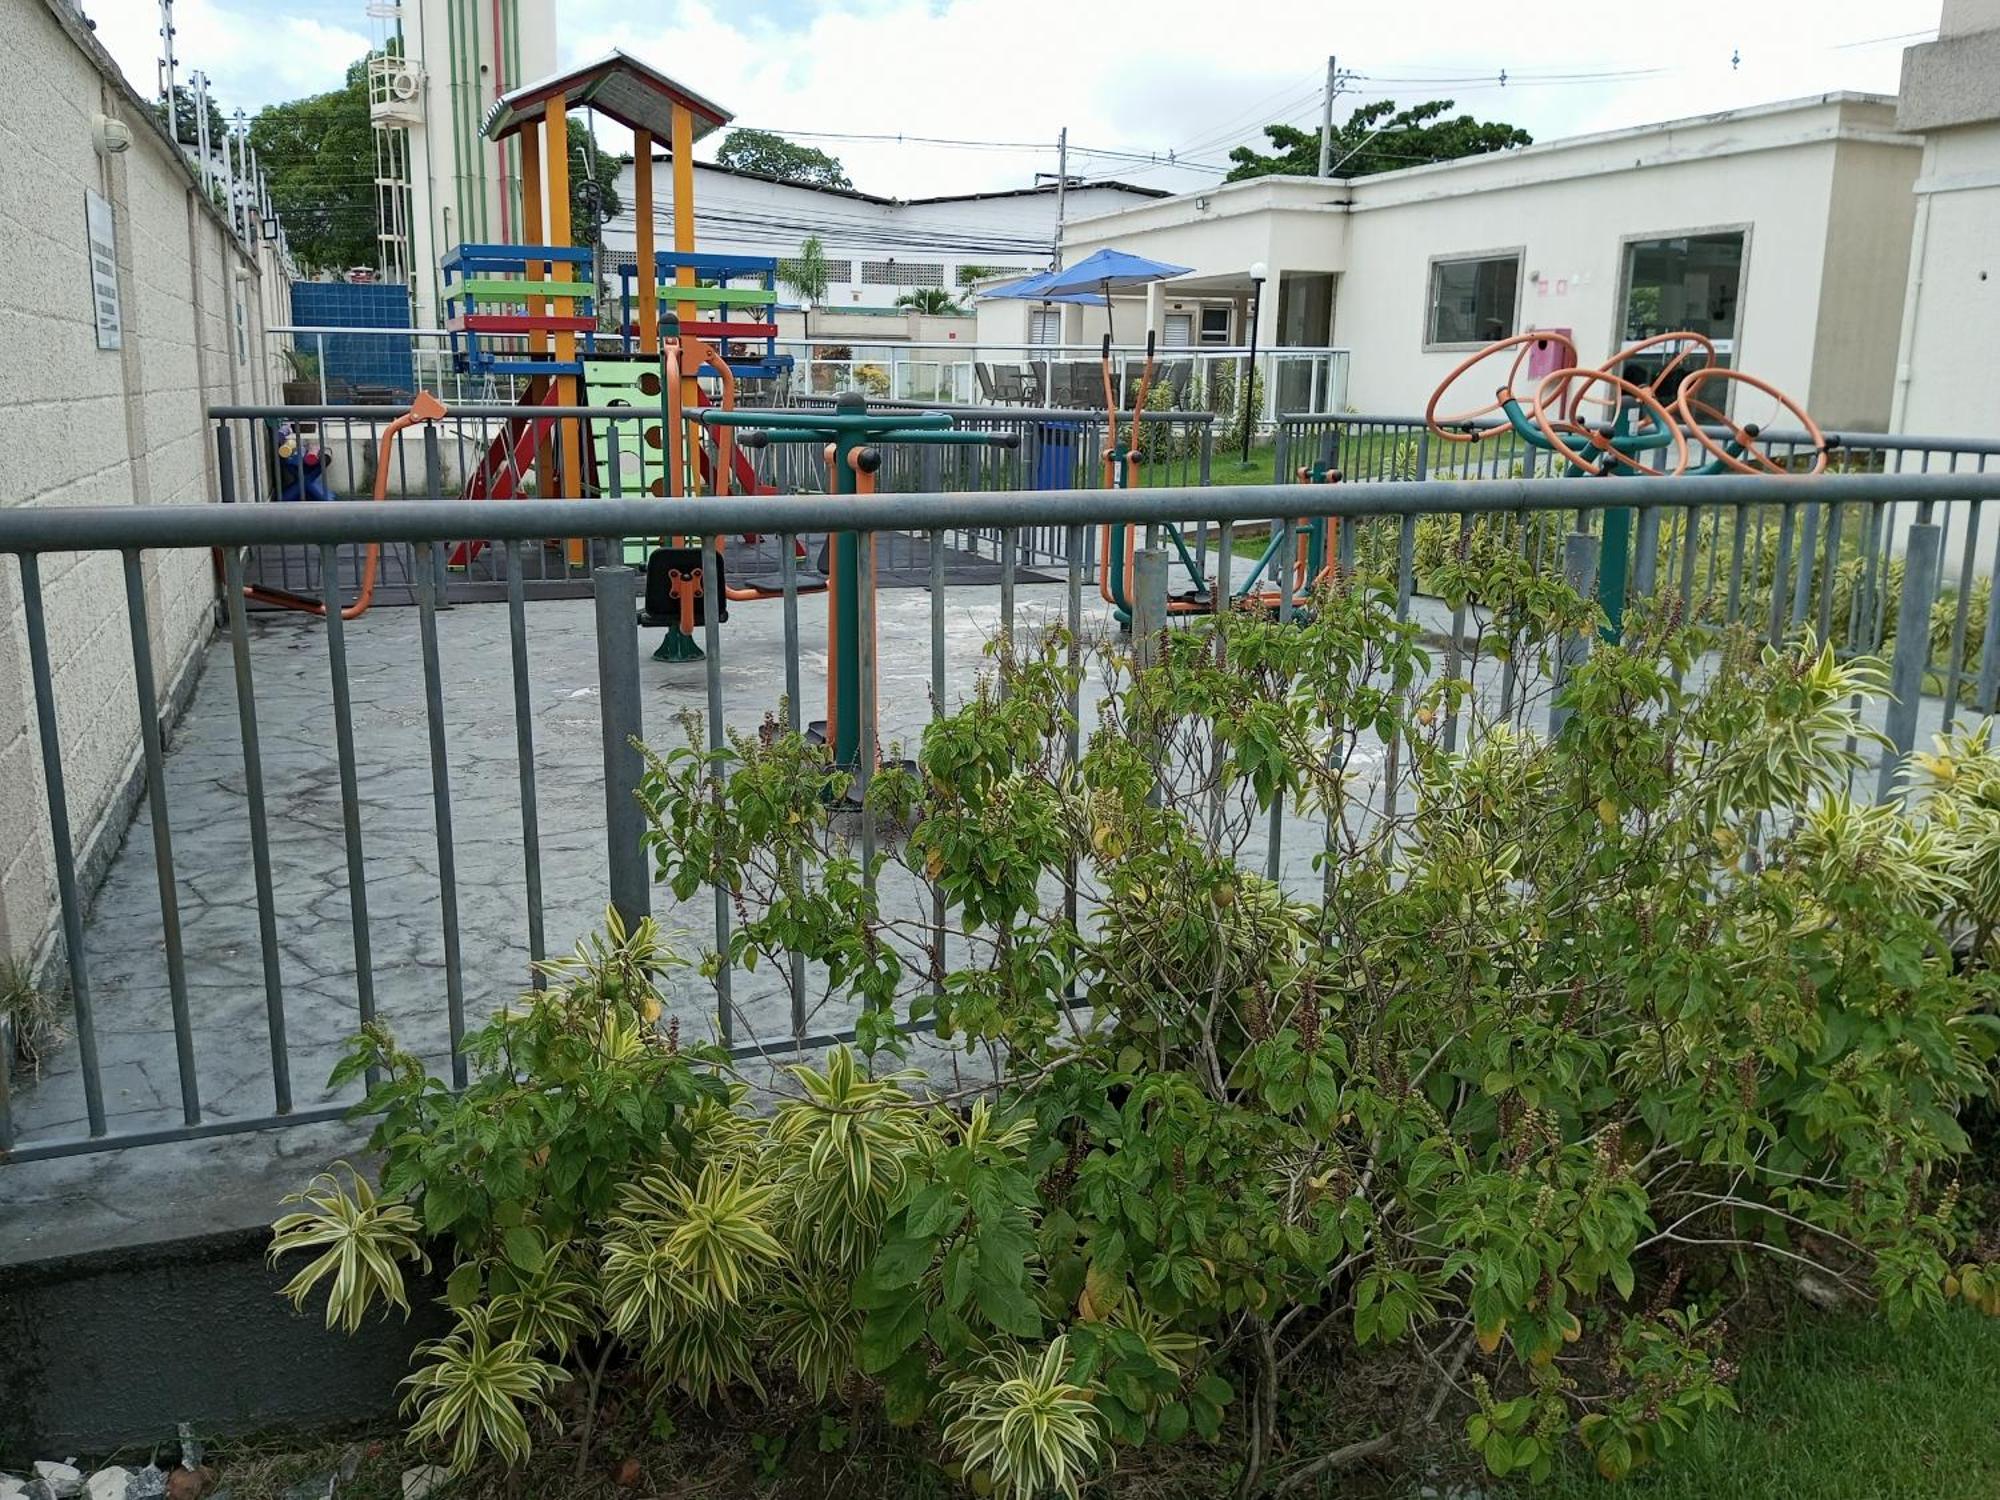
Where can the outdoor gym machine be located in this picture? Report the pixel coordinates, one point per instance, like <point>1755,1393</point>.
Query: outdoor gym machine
<point>1118,542</point>
<point>852,436</point>
<point>1612,420</point>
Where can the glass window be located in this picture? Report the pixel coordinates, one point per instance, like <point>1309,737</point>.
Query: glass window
<point>1305,309</point>
<point>1215,325</point>
<point>1685,283</point>
<point>1473,301</point>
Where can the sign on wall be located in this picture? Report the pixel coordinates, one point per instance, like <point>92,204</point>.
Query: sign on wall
<point>103,269</point>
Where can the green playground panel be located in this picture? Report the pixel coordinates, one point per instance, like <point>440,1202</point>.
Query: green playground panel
<point>615,382</point>
<point>503,289</point>
<point>717,296</point>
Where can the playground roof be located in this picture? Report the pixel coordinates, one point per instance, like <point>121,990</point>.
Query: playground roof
<point>617,86</point>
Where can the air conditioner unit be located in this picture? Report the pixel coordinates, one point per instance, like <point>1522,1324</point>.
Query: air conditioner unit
<point>395,92</point>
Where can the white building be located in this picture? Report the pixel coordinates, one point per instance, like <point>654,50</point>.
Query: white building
<point>439,181</point>
<point>877,248</point>
<point>1945,381</point>
<point>1781,231</point>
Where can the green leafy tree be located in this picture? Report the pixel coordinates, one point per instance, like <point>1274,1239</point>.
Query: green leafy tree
<point>1377,138</point>
<point>185,127</point>
<point>771,155</point>
<point>319,154</point>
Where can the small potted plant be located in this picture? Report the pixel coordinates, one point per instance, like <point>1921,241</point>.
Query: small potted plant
<point>303,388</point>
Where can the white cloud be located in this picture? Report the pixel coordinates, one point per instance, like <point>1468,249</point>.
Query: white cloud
<point>1191,76</point>
<point>252,55</point>
<point>1174,74</point>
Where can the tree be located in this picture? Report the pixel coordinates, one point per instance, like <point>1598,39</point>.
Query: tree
<point>319,154</point>
<point>1378,138</point>
<point>808,275</point>
<point>185,127</point>
<point>771,155</point>
<point>929,299</point>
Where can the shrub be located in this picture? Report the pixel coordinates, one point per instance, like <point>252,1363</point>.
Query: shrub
<point>1564,1046</point>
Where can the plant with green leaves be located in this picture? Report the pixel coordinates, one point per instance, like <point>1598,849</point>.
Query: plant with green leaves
<point>1515,1081</point>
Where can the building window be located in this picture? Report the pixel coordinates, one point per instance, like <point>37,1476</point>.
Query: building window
<point>1179,330</point>
<point>901,273</point>
<point>1685,283</point>
<point>1473,301</point>
<point>1045,327</point>
<point>1215,325</point>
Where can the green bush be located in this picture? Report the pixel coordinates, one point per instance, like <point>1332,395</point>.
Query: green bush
<point>1581,1038</point>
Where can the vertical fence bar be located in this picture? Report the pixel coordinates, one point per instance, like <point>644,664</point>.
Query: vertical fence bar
<point>1454,649</point>
<point>939,708</point>
<point>615,591</point>
<point>1406,587</point>
<point>1987,695</point>
<point>260,833</point>
<point>350,796</point>
<point>67,893</point>
<point>1580,552</point>
<point>428,590</point>
<point>1781,568</point>
<point>869,747</point>
<point>1802,581</point>
<point>1288,537</point>
<point>1829,572</point>
<point>1956,664</point>
<point>711,626</point>
<point>524,759</point>
<point>1921,557</point>
<point>163,841</point>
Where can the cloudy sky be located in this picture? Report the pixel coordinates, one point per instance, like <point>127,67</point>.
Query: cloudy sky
<point>1155,93</point>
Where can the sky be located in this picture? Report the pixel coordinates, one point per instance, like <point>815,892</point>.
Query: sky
<point>1153,93</point>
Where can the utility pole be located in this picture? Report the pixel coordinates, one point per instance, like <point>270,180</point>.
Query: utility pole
<point>1062,187</point>
<point>1326,117</point>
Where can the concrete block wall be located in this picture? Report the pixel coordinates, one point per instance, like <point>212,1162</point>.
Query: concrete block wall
<point>84,426</point>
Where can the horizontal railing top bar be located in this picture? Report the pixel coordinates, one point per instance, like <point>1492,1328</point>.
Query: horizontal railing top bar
<point>1909,441</point>
<point>114,528</point>
<point>629,413</point>
<point>1017,413</point>
<point>836,340</point>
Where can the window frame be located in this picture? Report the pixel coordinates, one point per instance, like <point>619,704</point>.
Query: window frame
<point>1624,289</point>
<point>1516,253</point>
<point>1202,340</point>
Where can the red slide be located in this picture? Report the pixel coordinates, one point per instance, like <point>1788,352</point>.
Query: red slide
<point>508,460</point>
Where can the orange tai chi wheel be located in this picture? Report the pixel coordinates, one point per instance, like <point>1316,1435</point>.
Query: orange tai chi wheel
<point>1458,426</point>
<point>1582,443</point>
<point>1697,416</point>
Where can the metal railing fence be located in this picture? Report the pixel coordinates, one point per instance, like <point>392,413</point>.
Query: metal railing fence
<point>1837,568</point>
<point>330,801</point>
<point>509,452</point>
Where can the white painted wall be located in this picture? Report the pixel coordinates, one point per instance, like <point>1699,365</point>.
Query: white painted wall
<point>83,426</point>
<point>737,214</point>
<point>464,187</point>
<point>1821,185</point>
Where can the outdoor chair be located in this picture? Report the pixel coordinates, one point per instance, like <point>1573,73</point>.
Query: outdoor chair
<point>984,376</point>
<point>1007,381</point>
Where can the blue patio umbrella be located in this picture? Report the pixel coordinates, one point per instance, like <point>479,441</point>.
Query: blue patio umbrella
<point>1108,271</point>
<point>1035,289</point>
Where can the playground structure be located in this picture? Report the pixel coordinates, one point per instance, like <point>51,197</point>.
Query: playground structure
<point>530,310</point>
<point>1623,419</point>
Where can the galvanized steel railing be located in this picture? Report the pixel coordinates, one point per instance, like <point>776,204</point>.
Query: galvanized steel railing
<point>1529,514</point>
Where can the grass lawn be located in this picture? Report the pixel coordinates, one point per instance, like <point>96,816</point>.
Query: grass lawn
<point>1839,1410</point>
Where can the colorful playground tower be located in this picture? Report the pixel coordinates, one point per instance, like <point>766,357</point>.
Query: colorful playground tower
<point>530,309</point>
